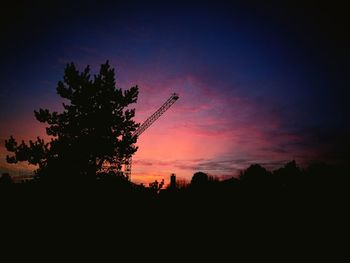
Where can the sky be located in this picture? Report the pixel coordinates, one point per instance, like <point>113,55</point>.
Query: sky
<point>258,83</point>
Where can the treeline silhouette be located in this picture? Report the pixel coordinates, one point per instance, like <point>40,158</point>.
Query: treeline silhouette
<point>308,205</point>
<point>318,186</point>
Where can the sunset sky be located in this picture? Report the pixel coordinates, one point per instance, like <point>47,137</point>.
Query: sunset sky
<point>257,83</point>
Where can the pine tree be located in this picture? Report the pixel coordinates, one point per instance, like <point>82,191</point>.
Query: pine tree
<point>93,132</point>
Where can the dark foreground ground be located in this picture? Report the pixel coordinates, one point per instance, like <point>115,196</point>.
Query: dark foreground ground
<point>223,203</point>
<point>291,217</point>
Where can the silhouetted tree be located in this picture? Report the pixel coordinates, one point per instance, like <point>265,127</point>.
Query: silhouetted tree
<point>182,184</point>
<point>289,174</point>
<point>254,174</point>
<point>199,179</point>
<point>94,130</point>
<point>156,186</point>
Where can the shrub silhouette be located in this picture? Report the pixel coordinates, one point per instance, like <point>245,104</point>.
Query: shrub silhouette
<point>156,186</point>
<point>288,175</point>
<point>93,132</point>
<point>199,180</point>
<point>254,173</point>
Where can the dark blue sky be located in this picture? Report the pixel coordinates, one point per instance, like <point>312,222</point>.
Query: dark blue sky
<point>279,71</point>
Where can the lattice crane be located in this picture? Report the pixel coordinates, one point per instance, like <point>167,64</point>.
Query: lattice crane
<point>147,123</point>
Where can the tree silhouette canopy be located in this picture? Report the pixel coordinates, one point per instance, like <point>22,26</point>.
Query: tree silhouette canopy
<point>199,179</point>
<point>255,173</point>
<point>91,136</point>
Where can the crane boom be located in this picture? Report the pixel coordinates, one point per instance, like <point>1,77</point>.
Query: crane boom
<point>150,120</point>
<point>147,123</point>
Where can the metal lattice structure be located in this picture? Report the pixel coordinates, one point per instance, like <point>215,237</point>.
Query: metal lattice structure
<point>147,123</point>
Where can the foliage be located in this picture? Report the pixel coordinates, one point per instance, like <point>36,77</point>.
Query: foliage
<point>199,179</point>
<point>255,173</point>
<point>94,130</point>
<point>156,186</point>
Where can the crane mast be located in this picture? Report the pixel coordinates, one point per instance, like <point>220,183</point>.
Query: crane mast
<point>146,124</point>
